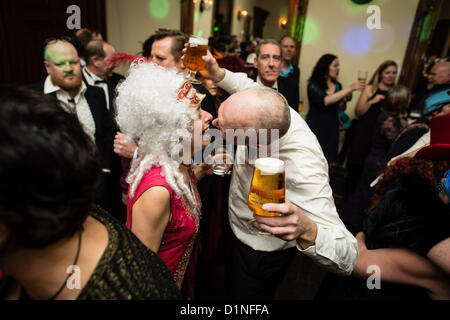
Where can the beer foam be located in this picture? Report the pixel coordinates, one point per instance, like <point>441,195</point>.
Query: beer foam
<point>198,41</point>
<point>269,165</point>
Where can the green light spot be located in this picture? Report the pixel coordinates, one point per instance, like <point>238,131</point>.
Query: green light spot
<point>159,8</point>
<point>200,33</point>
<point>216,28</point>
<point>196,15</point>
<point>311,32</point>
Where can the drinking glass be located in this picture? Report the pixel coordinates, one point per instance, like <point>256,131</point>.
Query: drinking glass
<point>193,57</point>
<point>362,75</point>
<point>268,186</point>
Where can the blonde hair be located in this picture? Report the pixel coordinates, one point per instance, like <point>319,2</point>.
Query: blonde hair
<point>149,112</point>
<point>376,78</point>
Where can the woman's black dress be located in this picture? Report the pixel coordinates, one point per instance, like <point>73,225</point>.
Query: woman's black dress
<point>324,121</point>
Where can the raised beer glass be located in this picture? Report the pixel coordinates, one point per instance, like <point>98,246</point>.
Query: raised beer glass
<point>362,76</point>
<point>268,186</point>
<point>193,57</point>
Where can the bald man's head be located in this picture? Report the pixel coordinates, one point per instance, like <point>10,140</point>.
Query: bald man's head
<point>440,74</point>
<point>255,108</point>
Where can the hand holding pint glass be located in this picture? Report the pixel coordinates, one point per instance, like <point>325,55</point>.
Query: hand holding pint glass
<point>362,77</point>
<point>268,186</point>
<point>198,48</point>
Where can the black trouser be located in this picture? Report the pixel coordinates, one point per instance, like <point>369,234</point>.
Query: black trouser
<point>255,275</point>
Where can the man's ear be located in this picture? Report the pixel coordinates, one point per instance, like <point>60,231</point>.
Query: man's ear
<point>47,66</point>
<point>255,63</point>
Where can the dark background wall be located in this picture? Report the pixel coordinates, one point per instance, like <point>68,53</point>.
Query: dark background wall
<point>25,24</point>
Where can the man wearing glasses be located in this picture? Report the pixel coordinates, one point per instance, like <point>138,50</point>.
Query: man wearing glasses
<point>64,81</point>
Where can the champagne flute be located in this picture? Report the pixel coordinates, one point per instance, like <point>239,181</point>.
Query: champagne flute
<point>268,186</point>
<point>193,57</point>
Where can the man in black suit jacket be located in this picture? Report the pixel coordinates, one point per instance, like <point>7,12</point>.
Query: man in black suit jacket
<point>64,81</point>
<point>268,63</point>
<point>96,73</point>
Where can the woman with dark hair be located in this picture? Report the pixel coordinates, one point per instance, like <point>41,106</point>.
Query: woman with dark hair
<point>50,230</point>
<point>387,127</point>
<point>326,96</point>
<point>359,138</point>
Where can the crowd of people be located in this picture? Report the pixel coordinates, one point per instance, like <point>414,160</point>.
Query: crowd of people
<point>98,173</point>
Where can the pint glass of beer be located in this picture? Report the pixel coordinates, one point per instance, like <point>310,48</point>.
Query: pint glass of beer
<point>193,57</point>
<point>362,76</point>
<point>268,186</point>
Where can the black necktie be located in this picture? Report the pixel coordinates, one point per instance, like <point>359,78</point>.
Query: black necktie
<point>100,81</point>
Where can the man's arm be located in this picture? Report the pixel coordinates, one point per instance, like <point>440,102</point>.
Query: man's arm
<point>328,244</point>
<point>402,266</point>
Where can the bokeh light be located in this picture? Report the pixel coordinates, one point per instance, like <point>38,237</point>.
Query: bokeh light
<point>311,32</point>
<point>159,9</point>
<point>357,40</point>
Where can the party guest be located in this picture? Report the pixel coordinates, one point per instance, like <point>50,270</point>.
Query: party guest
<point>51,234</point>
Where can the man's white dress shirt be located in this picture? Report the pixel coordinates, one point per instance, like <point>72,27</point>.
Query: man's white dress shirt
<point>92,78</point>
<point>79,105</point>
<point>307,186</point>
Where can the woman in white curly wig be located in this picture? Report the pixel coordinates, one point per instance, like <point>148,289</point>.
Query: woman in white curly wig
<point>158,109</point>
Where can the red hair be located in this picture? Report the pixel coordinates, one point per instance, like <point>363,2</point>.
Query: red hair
<point>430,171</point>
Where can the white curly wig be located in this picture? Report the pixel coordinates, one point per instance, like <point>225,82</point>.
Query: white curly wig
<point>149,113</point>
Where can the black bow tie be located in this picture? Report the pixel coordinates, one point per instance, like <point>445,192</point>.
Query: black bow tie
<point>100,81</point>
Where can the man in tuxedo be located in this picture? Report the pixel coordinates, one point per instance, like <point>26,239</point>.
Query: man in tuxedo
<point>64,81</point>
<point>96,73</point>
<point>268,63</point>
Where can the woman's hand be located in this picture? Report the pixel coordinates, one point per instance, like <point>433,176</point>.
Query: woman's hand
<point>377,98</point>
<point>358,85</point>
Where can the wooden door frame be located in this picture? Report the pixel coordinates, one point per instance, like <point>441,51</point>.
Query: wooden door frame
<point>425,21</point>
<point>187,16</point>
<point>296,25</point>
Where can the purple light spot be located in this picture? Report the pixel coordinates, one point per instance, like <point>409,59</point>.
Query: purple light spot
<point>357,40</point>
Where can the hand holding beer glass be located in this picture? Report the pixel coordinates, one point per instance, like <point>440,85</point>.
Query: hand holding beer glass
<point>198,48</point>
<point>268,186</point>
<point>362,76</point>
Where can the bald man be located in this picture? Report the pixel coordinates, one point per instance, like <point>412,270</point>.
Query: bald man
<point>64,81</point>
<point>438,78</point>
<point>310,223</point>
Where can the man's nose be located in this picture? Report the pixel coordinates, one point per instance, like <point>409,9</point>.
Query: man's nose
<point>207,117</point>
<point>68,67</point>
